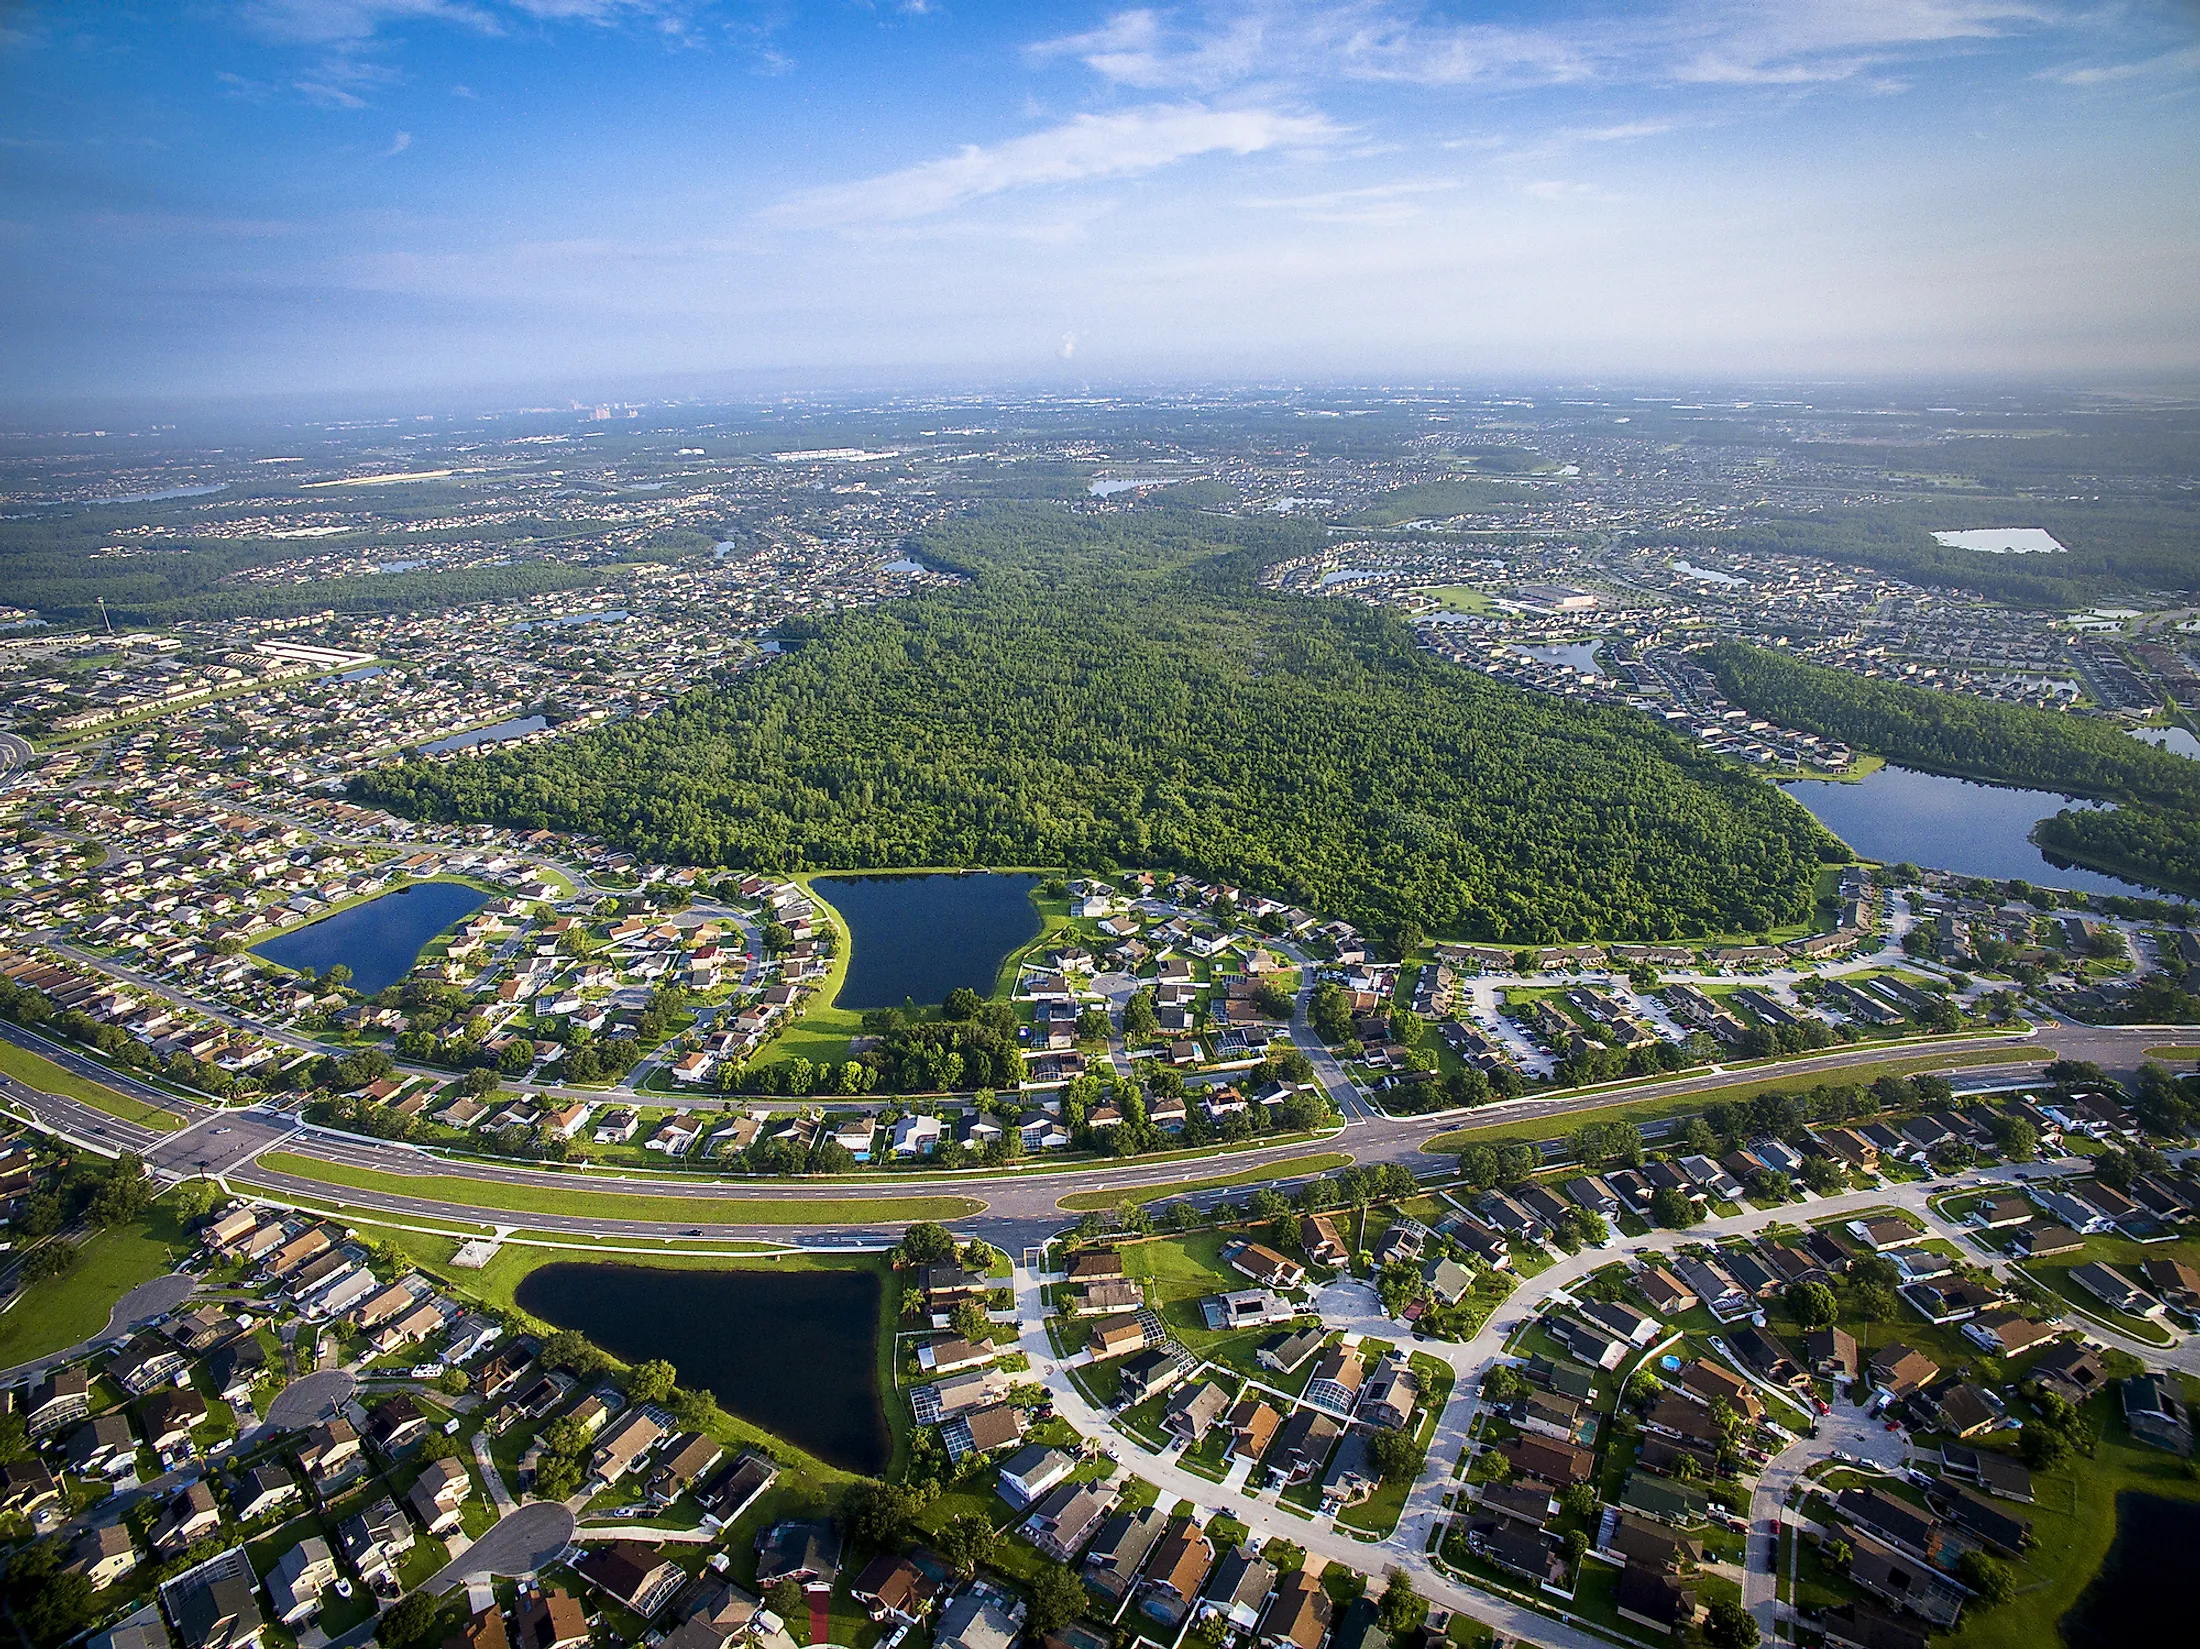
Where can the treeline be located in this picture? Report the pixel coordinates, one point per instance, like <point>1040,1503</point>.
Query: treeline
<point>2154,834</point>
<point>2134,544</point>
<point>1115,691</point>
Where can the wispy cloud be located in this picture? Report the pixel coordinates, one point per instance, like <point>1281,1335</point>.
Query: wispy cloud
<point>2108,74</point>
<point>1091,147</point>
<point>1735,42</point>
<point>398,144</point>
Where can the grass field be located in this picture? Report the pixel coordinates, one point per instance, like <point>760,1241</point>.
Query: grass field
<point>1688,1104</point>
<point>2173,1054</point>
<point>613,1205</point>
<point>1461,598</point>
<point>43,1074</point>
<point>1319,1162</point>
<point>2073,1521</point>
<point>62,1311</point>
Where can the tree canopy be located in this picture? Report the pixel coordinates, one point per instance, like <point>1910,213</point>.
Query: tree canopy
<point>1119,691</point>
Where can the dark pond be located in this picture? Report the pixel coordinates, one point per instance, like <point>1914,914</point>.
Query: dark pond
<point>795,1352</point>
<point>918,937</point>
<point>2139,1595</point>
<point>379,940</point>
<point>1972,829</point>
<point>517,728</point>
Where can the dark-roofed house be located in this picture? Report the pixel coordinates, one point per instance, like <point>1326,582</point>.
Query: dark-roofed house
<point>805,1552</point>
<point>1288,1353</point>
<point>1119,1550</point>
<point>1831,1352</point>
<point>1193,1410</point>
<point>1976,1515</point>
<point>1650,1597</point>
<point>735,1488</point>
<point>1238,1589</point>
<point>2155,1411</point>
<point>632,1574</point>
<point>2070,1370</point>
<point>1896,1522</point>
<point>1302,1448</point>
<point>1641,1543</point>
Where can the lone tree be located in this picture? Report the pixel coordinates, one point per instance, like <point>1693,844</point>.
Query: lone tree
<point>1730,1626</point>
<point>926,1244</point>
<point>1812,1305</point>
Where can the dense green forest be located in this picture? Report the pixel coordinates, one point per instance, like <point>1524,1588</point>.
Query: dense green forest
<point>1117,691</point>
<point>2154,834</point>
<point>1436,500</point>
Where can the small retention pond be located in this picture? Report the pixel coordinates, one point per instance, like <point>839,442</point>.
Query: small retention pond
<point>379,940</point>
<point>794,1352</point>
<point>917,937</point>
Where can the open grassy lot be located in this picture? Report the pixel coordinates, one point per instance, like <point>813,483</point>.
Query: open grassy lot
<point>614,1205</point>
<point>47,1077</point>
<point>60,1312</point>
<point>1671,1105</point>
<point>1320,1162</point>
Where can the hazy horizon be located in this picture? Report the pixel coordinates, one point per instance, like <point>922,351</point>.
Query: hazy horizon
<point>375,200</point>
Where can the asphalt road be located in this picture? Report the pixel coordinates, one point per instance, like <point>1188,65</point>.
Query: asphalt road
<point>1019,1207</point>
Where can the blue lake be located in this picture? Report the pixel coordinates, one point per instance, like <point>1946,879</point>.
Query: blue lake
<point>1972,829</point>
<point>517,728</point>
<point>379,940</point>
<point>920,936</point>
<point>1575,655</point>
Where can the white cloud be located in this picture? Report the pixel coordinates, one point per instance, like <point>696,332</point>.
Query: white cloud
<point>2108,74</point>
<point>1733,42</point>
<point>1091,147</point>
<point>398,144</point>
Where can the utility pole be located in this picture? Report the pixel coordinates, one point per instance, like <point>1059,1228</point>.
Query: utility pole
<point>103,618</point>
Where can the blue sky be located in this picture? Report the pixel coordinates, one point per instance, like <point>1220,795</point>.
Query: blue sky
<point>269,196</point>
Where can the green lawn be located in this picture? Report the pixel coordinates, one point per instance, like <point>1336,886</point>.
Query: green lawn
<point>1320,1162</point>
<point>62,1311</point>
<point>616,1205</point>
<point>2073,1521</point>
<point>47,1077</point>
<point>1656,1109</point>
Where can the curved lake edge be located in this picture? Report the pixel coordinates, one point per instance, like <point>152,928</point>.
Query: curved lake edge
<point>2110,1609</point>
<point>1993,840</point>
<point>352,911</point>
<point>837,984</point>
<point>745,1430</point>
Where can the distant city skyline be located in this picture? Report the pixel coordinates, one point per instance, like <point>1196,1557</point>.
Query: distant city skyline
<point>380,197</point>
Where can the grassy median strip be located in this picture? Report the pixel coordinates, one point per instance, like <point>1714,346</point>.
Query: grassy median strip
<point>1289,1168</point>
<point>43,1074</point>
<point>1554,1124</point>
<point>514,1197</point>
